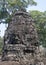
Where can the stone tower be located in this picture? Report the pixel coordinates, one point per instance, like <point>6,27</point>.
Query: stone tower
<point>20,39</point>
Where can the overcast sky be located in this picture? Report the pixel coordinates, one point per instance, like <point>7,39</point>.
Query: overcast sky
<point>41,6</point>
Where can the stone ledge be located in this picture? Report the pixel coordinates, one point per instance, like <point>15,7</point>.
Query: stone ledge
<point>9,63</point>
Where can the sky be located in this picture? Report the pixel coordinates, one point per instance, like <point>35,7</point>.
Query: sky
<point>41,6</point>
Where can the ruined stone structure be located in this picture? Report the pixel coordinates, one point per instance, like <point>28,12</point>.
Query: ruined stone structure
<point>21,40</point>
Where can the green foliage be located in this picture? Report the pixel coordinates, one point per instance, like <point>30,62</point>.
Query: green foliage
<point>21,3</point>
<point>1,45</point>
<point>40,20</point>
<point>3,15</point>
<point>12,6</point>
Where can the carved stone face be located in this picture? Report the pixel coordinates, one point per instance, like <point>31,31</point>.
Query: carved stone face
<point>13,39</point>
<point>20,37</point>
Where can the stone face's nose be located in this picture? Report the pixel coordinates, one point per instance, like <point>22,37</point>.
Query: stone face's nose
<point>16,38</point>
